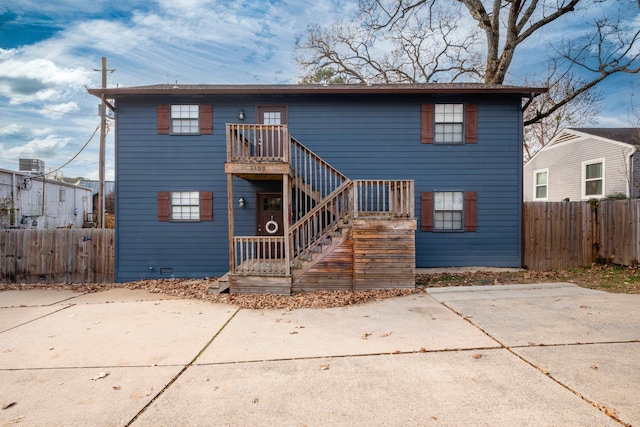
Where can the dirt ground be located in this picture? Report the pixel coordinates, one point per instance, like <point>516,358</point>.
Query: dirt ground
<point>610,278</point>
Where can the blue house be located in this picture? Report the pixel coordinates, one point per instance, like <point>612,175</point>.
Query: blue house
<point>300,187</point>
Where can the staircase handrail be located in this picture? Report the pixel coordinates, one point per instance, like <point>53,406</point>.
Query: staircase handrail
<point>336,207</point>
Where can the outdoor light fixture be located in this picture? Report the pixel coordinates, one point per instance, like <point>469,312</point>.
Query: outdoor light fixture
<point>34,223</point>
<point>23,220</point>
<point>241,114</point>
<point>241,202</point>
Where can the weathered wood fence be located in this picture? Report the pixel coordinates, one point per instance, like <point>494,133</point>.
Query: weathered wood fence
<point>556,235</point>
<point>57,256</point>
<point>561,235</point>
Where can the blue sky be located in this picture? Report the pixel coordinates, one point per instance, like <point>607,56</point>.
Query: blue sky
<point>49,49</point>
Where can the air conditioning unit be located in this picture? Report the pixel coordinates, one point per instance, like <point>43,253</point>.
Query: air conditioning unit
<point>32,166</point>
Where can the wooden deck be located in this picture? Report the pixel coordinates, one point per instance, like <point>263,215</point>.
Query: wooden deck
<point>377,251</point>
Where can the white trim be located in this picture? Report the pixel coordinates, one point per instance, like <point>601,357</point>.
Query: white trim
<point>583,179</point>
<point>535,186</point>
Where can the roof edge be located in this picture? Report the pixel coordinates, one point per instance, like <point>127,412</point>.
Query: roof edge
<point>303,89</point>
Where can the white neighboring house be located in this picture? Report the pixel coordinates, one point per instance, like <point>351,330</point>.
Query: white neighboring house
<point>584,163</point>
<point>31,201</point>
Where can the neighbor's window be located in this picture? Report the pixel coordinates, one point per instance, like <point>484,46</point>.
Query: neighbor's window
<point>185,119</point>
<point>593,183</point>
<point>448,208</point>
<point>185,206</point>
<point>449,124</point>
<point>541,183</point>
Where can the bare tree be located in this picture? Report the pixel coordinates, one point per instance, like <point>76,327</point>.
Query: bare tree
<point>580,112</point>
<point>476,40</point>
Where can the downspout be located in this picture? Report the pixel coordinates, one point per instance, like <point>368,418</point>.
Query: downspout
<point>14,194</point>
<point>631,187</point>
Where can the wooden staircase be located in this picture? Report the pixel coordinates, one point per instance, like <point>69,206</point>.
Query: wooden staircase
<point>343,234</point>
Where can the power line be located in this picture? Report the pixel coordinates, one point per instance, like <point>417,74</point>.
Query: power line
<point>77,154</point>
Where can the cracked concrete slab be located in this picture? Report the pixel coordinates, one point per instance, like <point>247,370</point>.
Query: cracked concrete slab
<point>523,318</point>
<point>35,298</point>
<point>120,295</point>
<point>116,334</point>
<point>458,293</point>
<point>489,387</point>
<point>13,317</point>
<point>57,397</point>
<point>608,375</point>
<point>402,324</point>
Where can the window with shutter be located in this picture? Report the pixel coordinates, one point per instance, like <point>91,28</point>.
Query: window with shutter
<point>449,123</point>
<point>185,206</point>
<point>448,211</point>
<point>185,119</point>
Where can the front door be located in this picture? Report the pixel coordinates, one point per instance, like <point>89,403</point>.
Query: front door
<point>270,143</point>
<point>270,222</point>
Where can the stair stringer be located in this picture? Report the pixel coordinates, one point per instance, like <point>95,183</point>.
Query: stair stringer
<point>331,269</point>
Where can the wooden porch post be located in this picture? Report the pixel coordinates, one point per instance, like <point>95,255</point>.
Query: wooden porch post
<point>232,263</point>
<point>287,214</point>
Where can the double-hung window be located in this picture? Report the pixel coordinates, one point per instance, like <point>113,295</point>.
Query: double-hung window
<point>448,211</point>
<point>541,184</point>
<point>185,206</point>
<point>449,124</point>
<point>448,208</point>
<point>593,178</point>
<point>185,119</point>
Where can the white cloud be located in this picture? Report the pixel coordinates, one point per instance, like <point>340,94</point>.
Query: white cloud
<point>37,79</point>
<point>58,110</point>
<point>39,148</point>
<point>12,129</point>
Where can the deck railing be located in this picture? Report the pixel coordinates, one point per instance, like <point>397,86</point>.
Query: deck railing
<point>383,198</point>
<point>313,180</point>
<point>257,143</point>
<point>260,255</point>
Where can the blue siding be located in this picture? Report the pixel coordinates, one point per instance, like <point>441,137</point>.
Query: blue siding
<point>364,137</point>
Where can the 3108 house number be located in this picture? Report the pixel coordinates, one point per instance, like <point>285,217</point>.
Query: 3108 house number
<point>257,168</point>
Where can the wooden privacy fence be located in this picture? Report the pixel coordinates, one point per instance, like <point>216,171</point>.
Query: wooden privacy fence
<point>561,235</point>
<point>55,256</point>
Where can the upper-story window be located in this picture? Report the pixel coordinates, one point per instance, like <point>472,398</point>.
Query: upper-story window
<point>541,184</point>
<point>185,119</point>
<point>449,124</point>
<point>593,178</point>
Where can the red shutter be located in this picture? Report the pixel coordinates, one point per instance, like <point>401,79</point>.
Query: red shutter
<point>471,123</point>
<point>426,211</point>
<point>206,206</point>
<point>426,124</point>
<point>164,206</point>
<point>163,118</point>
<point>206,119</point>
<point>470,208</point>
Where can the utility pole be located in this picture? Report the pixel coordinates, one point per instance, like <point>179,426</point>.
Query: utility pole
<point>103,137</point>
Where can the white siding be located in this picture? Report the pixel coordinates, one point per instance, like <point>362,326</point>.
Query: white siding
<point>564,161</point>
<point>52,204</point>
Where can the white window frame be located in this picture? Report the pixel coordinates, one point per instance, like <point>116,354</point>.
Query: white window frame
<point>185,119</point>
<point>584,178</point>
<point>184,206</point>
<point>535,184</point>
<point>439,222</point>
<point>446,117</point>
